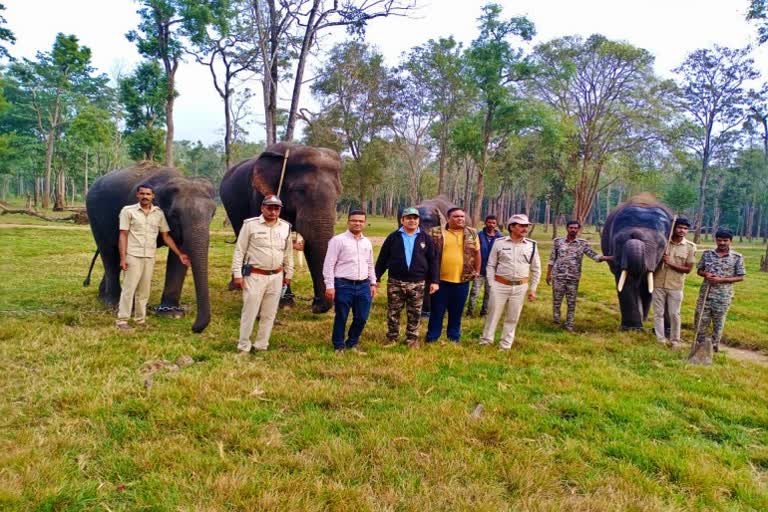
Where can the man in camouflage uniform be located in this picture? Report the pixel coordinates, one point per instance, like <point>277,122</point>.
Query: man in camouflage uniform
<point>564,270</point>
<point>720,268</point>
<point>410,257</point>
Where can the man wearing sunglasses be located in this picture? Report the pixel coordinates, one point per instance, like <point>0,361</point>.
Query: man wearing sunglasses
<point>262,263</point>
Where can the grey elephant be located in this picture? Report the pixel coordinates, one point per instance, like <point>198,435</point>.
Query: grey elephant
<point>432,212</point>
<point>188,205</point>
<point>636,234</point>
<point>310,192</point>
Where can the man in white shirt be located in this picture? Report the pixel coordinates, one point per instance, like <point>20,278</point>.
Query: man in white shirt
<point>350,281</point>
<point>514,268</point>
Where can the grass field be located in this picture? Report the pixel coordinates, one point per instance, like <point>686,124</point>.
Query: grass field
<point>596,420</point>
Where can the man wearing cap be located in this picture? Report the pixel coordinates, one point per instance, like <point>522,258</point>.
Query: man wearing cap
<point>458,251</point>
<point>262,263</point>
<point>720,268</point>
<point>486,236</point>
<point>514,268</point>
<point>140,224</point>
<point>669,279</point>
<point>350,282</point>
<point>409,255</point>
<point>564,270</point>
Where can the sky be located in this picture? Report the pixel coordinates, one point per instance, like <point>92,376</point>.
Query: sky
<point>669,29</point>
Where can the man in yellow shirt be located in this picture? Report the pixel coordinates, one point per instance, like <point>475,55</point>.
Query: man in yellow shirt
<point>458,250</point>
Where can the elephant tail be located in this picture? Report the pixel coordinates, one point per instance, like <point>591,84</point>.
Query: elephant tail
<point>87,281</point>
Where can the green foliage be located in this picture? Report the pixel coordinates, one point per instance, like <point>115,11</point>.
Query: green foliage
<point>146,144</point>
<point>758,13</point>
<point>680,195</point>
<point>6,36</point>
<point>200,160</point>
<point>142,94</point>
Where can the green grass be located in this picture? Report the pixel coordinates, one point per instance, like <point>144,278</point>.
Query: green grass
<point>599,420</point>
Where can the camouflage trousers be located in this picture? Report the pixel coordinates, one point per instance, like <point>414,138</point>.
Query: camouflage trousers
<point>713,312</point>
<point>475,291</point>
<point>564,288</point>
<point>408,295</point>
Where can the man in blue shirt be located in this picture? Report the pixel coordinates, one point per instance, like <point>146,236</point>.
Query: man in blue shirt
<point>487,236</point>
<point>410,257</point>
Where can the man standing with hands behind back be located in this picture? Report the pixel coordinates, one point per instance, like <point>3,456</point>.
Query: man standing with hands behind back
<point>139,225</point>
<point>513,260</point>
<point>350,282</point>
<point>262,263</point>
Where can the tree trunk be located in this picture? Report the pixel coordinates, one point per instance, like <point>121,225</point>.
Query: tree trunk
<point>85,179</point>
<point>169,100</point>
<point>306,44</point>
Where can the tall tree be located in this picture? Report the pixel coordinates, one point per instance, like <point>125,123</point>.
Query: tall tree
<point>712,94</point>
<point>356,90</point>
<point>436,67</point>
<point>607,89</point>
<point>158,38</point>
<point>222,39</point>
<point>51,83</point>
<point>758,13</point>
<point>495,66</point>
<point>143,95</point>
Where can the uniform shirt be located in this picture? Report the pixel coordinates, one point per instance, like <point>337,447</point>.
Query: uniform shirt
<point>514,260</point>
<point>142,229</point>
<point>348,257</point>
<point>566,257</point>
<point>452,260</point>
<point>263,246</point>
<point>680,254</point>
<point>730,265</point>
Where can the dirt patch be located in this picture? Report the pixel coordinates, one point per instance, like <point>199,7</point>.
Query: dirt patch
<point>740,354</point>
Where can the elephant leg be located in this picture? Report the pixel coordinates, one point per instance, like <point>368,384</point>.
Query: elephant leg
<point>315,259</point>
<point>109,288</point>
<point>174,281</point>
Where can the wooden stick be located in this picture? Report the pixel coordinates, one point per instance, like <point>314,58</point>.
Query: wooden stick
<point>282,173</point>
<point>698,320</point>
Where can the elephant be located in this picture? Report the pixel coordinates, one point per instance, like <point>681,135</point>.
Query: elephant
<point>432,212</point>
<point>188,205</point>
<point>636,235</point>
<point>310,192</point>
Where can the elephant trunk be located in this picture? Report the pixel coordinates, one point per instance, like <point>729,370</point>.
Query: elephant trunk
<point>316,237</point>
<point>633,258</point>
<point>196,246</point>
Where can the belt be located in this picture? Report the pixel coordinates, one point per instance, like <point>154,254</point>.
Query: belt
<point>511,282</point>
<point>353,281</point>
<point>267,272</point>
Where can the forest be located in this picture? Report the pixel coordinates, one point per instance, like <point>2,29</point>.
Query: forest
<point>566,129</point>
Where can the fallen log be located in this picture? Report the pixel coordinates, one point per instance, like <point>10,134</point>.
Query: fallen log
<point>78,217</point>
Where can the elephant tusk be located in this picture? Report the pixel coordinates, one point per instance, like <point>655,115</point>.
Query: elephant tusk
<point>650,282</point>
<point>622,279</point>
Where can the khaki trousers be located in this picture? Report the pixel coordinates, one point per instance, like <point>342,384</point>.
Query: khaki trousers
<point>261,298</point>
<point>671,300</point>
<point>135,293</point>
<point>504,298</point>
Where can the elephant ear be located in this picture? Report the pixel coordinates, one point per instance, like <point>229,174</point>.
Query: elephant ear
<point>261,182</point>
<point>164,195</point>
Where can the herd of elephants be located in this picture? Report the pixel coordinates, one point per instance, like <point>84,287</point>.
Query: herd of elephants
<point>309,184</point>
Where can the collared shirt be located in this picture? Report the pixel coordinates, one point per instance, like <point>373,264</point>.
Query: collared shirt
<point>566,257</point>
<point>263,246</point>
<point>348,257</point>
<point>142,228</point>
<point>452,260</point>
<point>681,254</point>
<point>486,242</point>
<point>515,260</point>
<point>728,265</point>
<point>408,242</point>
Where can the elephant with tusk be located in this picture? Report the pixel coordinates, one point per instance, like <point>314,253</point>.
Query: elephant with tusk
<point>636,234</point>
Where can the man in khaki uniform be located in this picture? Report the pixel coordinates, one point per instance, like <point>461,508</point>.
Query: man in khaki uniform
<point>262,263</point>
<point>513,260</point>
<point>140,224</point>
<point>668,280</point>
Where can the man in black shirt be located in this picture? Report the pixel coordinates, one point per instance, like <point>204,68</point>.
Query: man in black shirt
<point>410,257</point>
